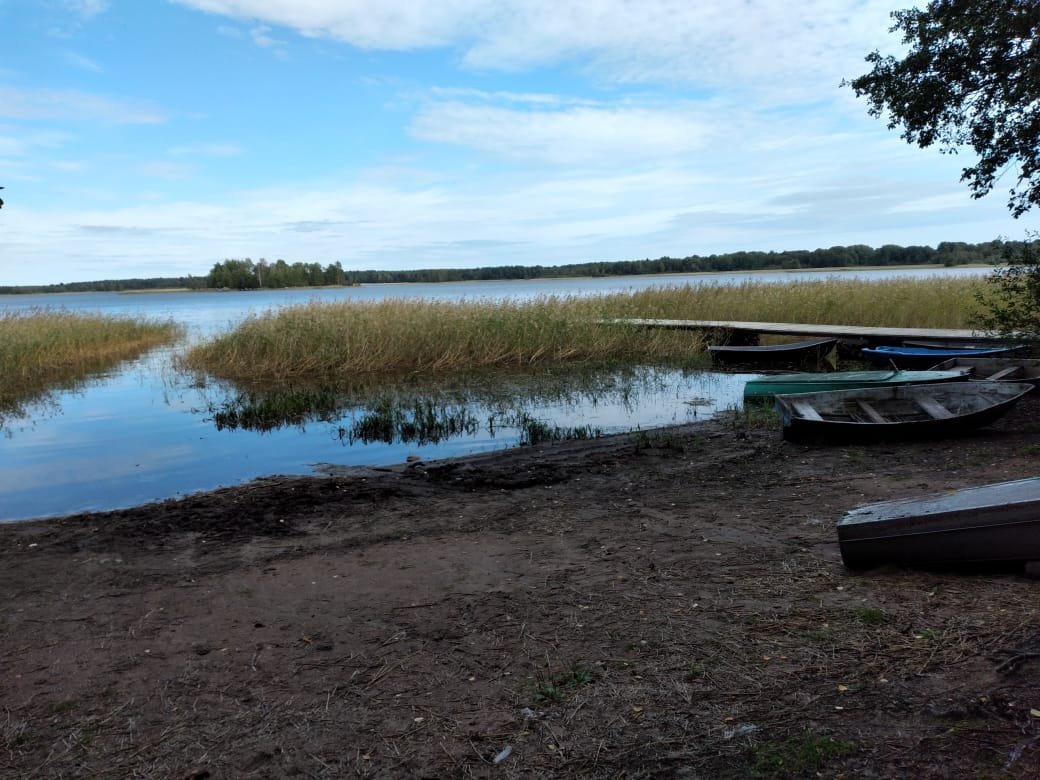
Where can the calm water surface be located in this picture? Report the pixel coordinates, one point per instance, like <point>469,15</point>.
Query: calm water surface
<point>144,432</point>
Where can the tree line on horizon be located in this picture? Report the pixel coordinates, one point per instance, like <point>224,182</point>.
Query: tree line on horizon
<point>244,274</point>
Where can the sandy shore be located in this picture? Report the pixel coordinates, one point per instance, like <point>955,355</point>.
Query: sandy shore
<point>666,604</point>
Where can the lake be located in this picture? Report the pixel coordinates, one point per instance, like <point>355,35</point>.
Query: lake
<point>144,432</point>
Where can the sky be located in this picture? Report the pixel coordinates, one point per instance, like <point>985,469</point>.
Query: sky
<point>143,138</point>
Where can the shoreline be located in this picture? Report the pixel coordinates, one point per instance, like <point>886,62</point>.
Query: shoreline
<point>759,271</point>
<point>652,604</point>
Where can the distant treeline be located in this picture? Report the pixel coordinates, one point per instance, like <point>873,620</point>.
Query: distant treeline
<point>111,285</point>
<point>244,274</point>
<point>948,253</point>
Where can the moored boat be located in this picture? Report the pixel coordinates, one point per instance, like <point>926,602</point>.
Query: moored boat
<point>926,357</point>
<point>792,353</point>
<point>894,413</point>
<point>765,387</point>
<point>996,369</point>
<point>988,523</point>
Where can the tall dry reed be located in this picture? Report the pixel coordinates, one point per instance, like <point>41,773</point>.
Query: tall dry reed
<point>401,336</point>
<point>42,348</point>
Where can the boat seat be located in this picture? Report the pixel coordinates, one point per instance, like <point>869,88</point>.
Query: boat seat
<point>935,409</point>
<point>1005,373</point>
<point>872,414</point>
<point>806,410</point>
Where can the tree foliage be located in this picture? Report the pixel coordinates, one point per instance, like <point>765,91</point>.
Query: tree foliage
<point>244,274</point>
<point>971,77</point>
<point>1011,302</point>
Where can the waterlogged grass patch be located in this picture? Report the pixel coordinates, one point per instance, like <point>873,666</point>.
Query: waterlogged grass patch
<point>801,756</point>
<point>430,409</point>
<point>422,421</point>
<point>533,431</point>
<point>407,336</point>
<point>412,337</point>
<point>43,349</point>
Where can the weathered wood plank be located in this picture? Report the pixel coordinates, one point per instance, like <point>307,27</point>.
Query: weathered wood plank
<point>1006,373</point>
<point>872,414</point>
<point>806,410</point>
<point>808,329</point>
<point>934,408</point>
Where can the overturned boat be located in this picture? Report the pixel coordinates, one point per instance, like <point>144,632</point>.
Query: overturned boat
<point>985,524</point>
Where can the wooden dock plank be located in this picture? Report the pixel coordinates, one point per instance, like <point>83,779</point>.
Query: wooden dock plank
<point>808,329</point>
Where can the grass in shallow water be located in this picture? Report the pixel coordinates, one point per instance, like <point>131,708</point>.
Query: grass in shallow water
<point>408,336</point>
<point>43,349</point>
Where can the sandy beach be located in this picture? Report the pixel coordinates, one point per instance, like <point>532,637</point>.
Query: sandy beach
<point>669,603</point>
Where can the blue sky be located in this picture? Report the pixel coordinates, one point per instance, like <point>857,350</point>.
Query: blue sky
<point>157,137</point>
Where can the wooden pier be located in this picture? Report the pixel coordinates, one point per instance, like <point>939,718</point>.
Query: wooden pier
<point>748,332</point>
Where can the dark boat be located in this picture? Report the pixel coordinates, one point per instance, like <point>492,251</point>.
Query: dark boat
<point>960,344</point>
<point>794,353</point>
<point>989,523</point>
<point>995,369</point>
<point>764,388</point>
<point>894,413</point>
<point>926,357</point>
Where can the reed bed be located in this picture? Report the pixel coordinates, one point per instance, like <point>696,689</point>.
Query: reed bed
<point>399,336</point>
<point>911,303</point>
<point>405,336</point>
<point>40,349</point>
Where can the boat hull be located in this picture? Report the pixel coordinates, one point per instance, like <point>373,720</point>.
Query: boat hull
<point>926,357</point>
<point>765,388</point>
<point>984,524</point>
<point>895,413</point>
<point>996,369</point>
<point>798,353</point>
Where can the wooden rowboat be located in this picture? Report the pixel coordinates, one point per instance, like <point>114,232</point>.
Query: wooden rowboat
<point>995,369</point>
<point>989,523</point>
<point>926,357</point>
<point>764,388</point>
<point>893,413</point>
<point>794,353</point>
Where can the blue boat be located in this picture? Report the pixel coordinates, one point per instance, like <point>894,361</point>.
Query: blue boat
<point>926,357</point>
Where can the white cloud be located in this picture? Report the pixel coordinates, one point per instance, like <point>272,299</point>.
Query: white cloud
<point>73,104</point>
<point>87,8</point>
<point>165,170</point>
<point>81,62</point>
<point>575,136</point>
<point>261,37</point>
<point>797,48</point>
<point>205,150</point>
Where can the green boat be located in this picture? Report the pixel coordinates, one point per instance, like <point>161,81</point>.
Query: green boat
<point>764,388</point>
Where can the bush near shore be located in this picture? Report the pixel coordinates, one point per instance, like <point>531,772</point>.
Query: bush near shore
<point>43,348</point>
<point>402,336</point>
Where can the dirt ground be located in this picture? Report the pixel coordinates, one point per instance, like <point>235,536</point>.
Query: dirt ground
<point>664,604</point>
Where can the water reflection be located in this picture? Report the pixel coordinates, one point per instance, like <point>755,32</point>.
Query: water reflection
<point>526,408</point>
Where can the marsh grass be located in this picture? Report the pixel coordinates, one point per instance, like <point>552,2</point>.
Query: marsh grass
<point>407,336</point>
<point>898,302</point>
<point>429,337</point>
<point>44,349</point>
